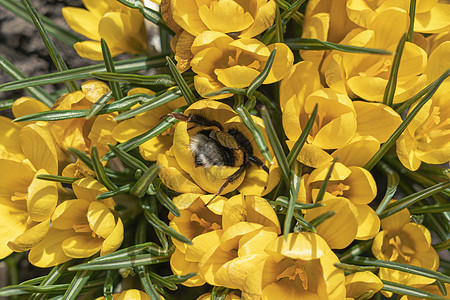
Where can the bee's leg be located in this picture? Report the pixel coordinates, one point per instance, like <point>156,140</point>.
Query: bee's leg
<point>197,119</point>
<point>228,180</point>
<point>259,163</point>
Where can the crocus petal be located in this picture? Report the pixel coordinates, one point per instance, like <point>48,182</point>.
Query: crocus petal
<point>358,283</point>
<point>49,252</point>
<point>113,27</point>
<point>101,133</point>
<point>88,188</point>
<point>282,63</point>
<point>70,212</point>
<point>28,105</point>
<point>419,235</point>
<point>225,16</point>
<point>395,222</point>
<point>263,20</point>
<point>406,149</point>
<point>14,177</point>
<point>340,229</point>
<point>304,246</point>
<point>82,21</point>
<point>358,152</point>
<point>232,234</point>
<point>363,187</point>
<point>201,244</point>
<point>313,156</point>
<point>128,129</point>
<point>93,50</point>
<point>181,266</point>
<point>210,39</point>
<point>376,119</point>
<point>114,239</point>
<point>101,220</point>
<point>185,13</point>
<point>31,237</point>
<point>9,143</point>
<point>433,20</point>
<point>37,145</point>
<point>81,245</point>
<point>237,76</point>
<point>368,222</point>
<point>13,222</point>
<point>42,198</point>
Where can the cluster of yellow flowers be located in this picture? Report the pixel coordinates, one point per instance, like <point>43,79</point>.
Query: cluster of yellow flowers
<point>214,180</point>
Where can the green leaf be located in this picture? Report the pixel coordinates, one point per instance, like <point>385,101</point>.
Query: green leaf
<point>54,54</point>
<point>320,219</point>
<point>146,282</point>
<point>83,157</point>
<point>124,189</point>
<point>430,209</point>
<point>292,10</point>
<point>295,151</point>
<point>255,131</point>
<point>308,226</point>
<point>263,75</point>
<point>314,44</point>
<point>284,202</point>
<point>127,159</point>
<point>61,179</point>
<point>124,262</point>
<point>357,249</point>
<point>298,17</point>
<point>16,290</point>
<point>295,180</point>
<point>445,245</point>
<point>391,85</point>
<point>140,187</point>
<point>108,287</point>
<point>163,227</point>
<point>227,90</point>
<point>324,185</point>
<point>37,92</point>
<point>392,182</point>
<point>185,90</point>
<point>390,142</point>
<point>140,139</point>
<point>99,104</point>
<point>412,16</point>
<point>413,198</point>
<point>77,284</point>
<point>100,171</point>
<point>219,293</point>
<point>366,261</point>
<point>279,28</point>
<point>149,14</point>
<point>6,104</point>
<point>130,65</point>
<point>152,103</point>
<point>167,203</point>
<point>51,278</point>
<point>160,79</point>
<point>163,281</point>
<point>109,65</point>
<point>407,290</point>
<point>354,268</point>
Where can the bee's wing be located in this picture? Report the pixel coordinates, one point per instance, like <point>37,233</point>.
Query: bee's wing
<point>225,139</point>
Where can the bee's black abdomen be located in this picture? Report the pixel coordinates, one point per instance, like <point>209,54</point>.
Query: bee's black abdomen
<point>242,141</point>
<point>208,152</point>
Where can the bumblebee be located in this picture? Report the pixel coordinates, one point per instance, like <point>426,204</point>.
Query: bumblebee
<point>214,146</point>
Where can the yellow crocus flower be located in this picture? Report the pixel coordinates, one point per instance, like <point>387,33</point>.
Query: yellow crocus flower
<point>120,26</point>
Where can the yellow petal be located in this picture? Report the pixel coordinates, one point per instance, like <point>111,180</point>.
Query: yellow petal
<point>313,156</point>
<point>232,234</point>
<point>42,198</point>
<point>340,229</point>
<point>94,89</point>
<point>418,235</point>
<point>70,213</point>
<point>93,50</point>
<point>13,223</point>
<point>205,86</point>
<point>101,220</point>
<point>202,243</point>
<point>282,62</point>
<point>27,105</point>
<point>49,252</point>
<point>257,241</point>
<point>368,222</point>
<point>225,16</point>
<point>210,39</point>
<point>82,21</point>
<point>128,129</point>
<point>376,119</point>
<point>114,239</point>
<point>363,187</point>
<point>258,182</point>
<point>252,47</point>
<point>9,141</point>
<point>14,177</point>
<point>37,145</point>
<point>406,151</point>
<point>31,237</point>
<point>433,20</point>
<point>305,246</point>
<point>359,283</point>
<point>358,152</point>
<point>174,177</point>
<point>101,133</point>
<point>81,245</point>
<point>88,188</point>
<point>264,19</point>
<point>237,76</point>
<point>395,222</point>
<point>185,13</point>
<point>132,294</point>
<point>180,266</point>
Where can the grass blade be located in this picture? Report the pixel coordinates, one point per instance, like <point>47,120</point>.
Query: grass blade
<point>393,179</point>
<point>167,203</point>
<point>185,90</point>
<point>130,65</point>
<point>140,187</point>
<point>146,282</point>
<point>100,171</point>
<point>54,54</point>
<point>293,154</point>
<point>412,16</point>
<point>163,227</point>
<point>324,185</point>
<point>161,79</point>
<point>109,65</point>
<point>314,44</point>
<point>256,132</point>
<point>61,179</point>
<point>276,145</point>
<point>407,290</point>
<point>391,85</point>
<point>77,284</point>
<point>128,159</point>
<point>263,75</point>
<point>37,92</point>
<point>295,181</point>
<point>99,104</point>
